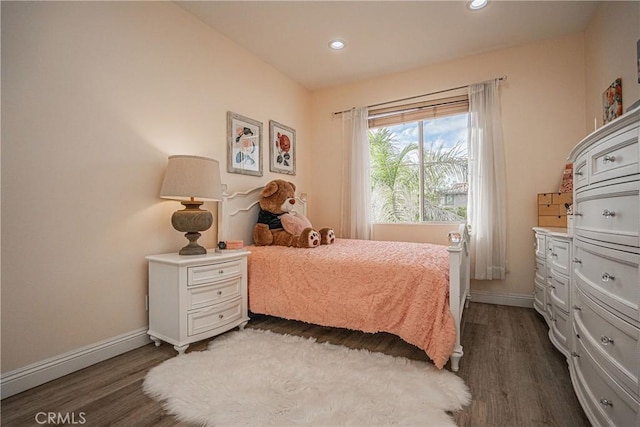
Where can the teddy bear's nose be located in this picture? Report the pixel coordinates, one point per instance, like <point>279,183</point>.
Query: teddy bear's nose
<point>292,201</point>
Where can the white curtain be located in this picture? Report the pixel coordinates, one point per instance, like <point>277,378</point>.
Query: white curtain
<point>355,216</point>
<point>487,207</point>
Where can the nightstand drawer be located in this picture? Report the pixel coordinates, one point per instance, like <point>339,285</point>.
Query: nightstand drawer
<point>204,320</point>
<point>203,296</point>
<point>211,273</point>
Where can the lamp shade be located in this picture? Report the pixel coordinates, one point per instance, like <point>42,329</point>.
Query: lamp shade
<point>190,177</point>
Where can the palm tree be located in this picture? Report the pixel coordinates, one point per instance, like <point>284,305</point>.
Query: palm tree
<point>442,168</point>
<point>395,178</point>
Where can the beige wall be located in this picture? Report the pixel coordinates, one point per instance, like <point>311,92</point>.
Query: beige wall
<point>610,52</point>
<point>543,118</point>
<point>95,96</point>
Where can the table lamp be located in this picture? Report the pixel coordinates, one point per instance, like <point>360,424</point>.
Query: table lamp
<point>192,180</point>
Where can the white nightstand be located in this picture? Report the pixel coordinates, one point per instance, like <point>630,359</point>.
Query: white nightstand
<point>196,297</point>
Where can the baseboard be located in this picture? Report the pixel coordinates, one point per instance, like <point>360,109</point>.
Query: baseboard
<point>38,373</point>
<point>515,300</point>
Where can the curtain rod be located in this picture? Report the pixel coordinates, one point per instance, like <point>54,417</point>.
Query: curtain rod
<point>418,96</point>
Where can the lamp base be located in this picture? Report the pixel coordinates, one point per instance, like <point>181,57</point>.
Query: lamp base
<point>192,220</point>
<point>193,248</point>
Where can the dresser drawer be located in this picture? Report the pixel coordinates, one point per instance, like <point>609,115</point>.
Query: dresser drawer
<point>541,245</point>
<point>211,273</point>
<point>609,214</point>
<point>614,342</point>
<point>559,253</point>
<point>615,157</point>
<point>580,172</point>
<point>610,276</point>
<point>559,291</point>
<point>610,404</point>
<point>539,297</point>
<point>205,295</point>
<point>560,331</point>
<point>206,319</point>
<point>541,270</point>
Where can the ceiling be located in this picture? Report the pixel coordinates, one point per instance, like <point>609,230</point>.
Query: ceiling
<point>382,37</point>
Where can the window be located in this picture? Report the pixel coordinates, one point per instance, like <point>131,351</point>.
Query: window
<point>419,162</point>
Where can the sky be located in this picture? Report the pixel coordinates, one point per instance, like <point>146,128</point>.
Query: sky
<point>449,129</point>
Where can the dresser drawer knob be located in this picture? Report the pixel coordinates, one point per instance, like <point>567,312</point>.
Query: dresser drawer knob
<point>608,214</point>
<point>574,354</point>
<point>577,261</point>
<point>579,174</point>
<point>220,271</point>
<point>575,307</point>
<point>219,292</point>
<point>606,277</point>
<point>606,402</point>
<point>605,340</point>
<point>609,159</point>
<point>220,316</point>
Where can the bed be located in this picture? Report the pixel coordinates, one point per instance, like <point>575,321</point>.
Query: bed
<point>417,291</point>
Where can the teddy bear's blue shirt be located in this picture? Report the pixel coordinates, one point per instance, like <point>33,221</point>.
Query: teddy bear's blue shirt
<point>269,218</point>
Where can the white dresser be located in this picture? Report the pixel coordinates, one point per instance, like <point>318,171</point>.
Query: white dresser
<point>552,285</point>
<point>605,281</point>
<point>195,297</point>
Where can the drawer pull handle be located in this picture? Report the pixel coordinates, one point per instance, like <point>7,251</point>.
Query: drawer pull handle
<point>577,261</point>
<point>574,354</point>
<point>608,214</point>
<point>609,159</point>
<point>220,271</point>
<point>605,340</point>
<point>219,292</point>
<point>579,173</point>
<point>606,277</point>
<point>606,402</point>
<point>220,316</point>
<point>575,307</point>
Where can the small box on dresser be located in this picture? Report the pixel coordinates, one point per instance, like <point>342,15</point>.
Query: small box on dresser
<point>196,297</point>
<point>552,211</point>
<point>605,284</point>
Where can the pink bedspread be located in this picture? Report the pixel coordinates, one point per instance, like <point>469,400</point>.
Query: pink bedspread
<point>370,286</point>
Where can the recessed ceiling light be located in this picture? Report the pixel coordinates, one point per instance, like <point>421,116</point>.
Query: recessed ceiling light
<point>477,4</point>
<point>336,44</point>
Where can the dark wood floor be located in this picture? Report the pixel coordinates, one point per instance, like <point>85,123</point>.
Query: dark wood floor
<point>515,375</point>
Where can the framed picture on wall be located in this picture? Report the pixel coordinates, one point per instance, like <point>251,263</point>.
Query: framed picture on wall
<point>244,145</point>
<point>612,101</point>
<point>282,148</point>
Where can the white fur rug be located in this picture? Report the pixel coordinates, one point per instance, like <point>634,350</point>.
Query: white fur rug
<point>260,378</point>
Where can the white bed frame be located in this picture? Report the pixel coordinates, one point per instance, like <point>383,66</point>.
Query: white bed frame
<point>239,212</point>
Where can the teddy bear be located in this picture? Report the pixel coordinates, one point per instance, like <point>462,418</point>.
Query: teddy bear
<point>278,224</point>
